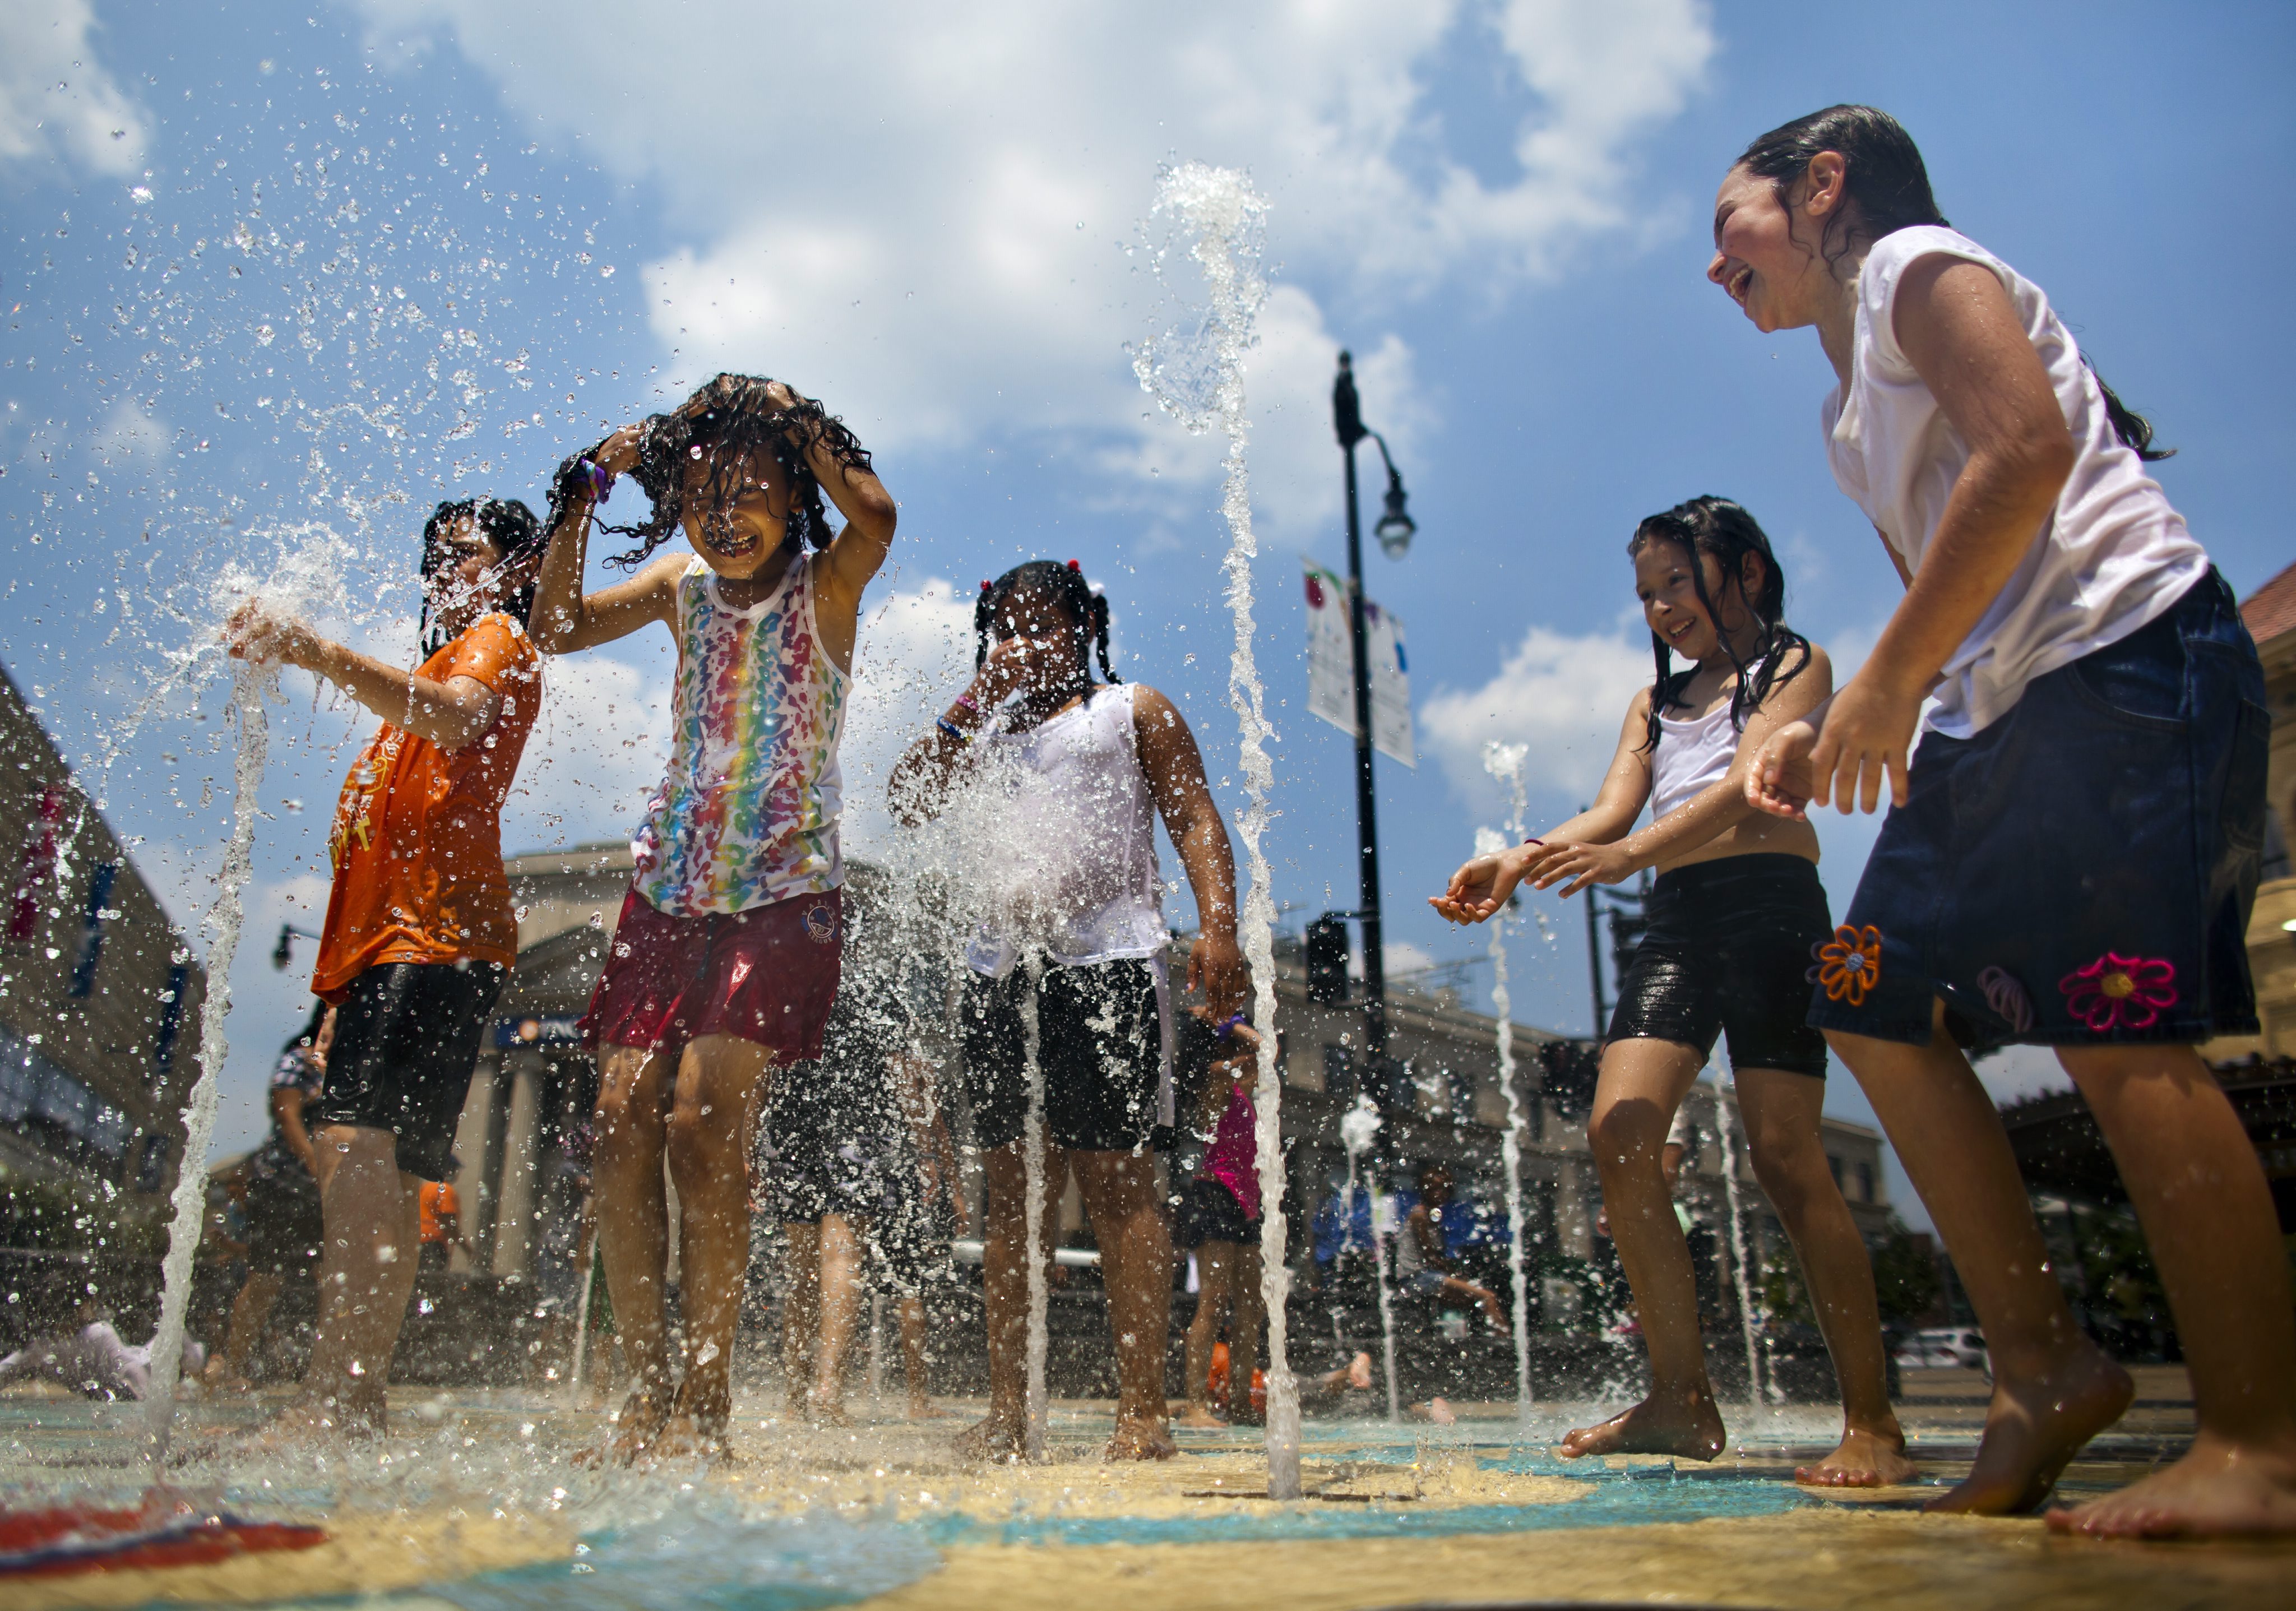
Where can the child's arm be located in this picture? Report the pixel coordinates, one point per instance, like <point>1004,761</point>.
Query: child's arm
<point>919,787</point>
<point>1717,808</point>
<point>1961,334</point>
<point>1480,887</point>
<point>452,714</point>
<point>857,552</point>
<point>1174,770</point>
<point>563,617</point>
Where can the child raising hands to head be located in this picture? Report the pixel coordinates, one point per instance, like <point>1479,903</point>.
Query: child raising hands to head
<point>725,955</point>
<point>1735,914</point>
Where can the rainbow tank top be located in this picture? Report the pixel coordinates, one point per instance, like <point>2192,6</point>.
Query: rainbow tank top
<point>748,814</point>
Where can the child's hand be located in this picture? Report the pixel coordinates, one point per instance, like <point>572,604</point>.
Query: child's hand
<point>1583,864</point>
<point>1011,666</point>
<point>1480,887</point>
<point>1217,968</point>
<point>254,633</point>
<point>1780,780</point>
<point>1869,728</point>
<point>618,455</point>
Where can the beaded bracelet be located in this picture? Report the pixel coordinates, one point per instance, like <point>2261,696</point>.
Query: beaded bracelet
<point>952,729</point>
<point>600,479</point>
<point>964,701</point>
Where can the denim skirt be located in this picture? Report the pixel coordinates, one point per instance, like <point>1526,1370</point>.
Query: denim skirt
<point>2081,871</point>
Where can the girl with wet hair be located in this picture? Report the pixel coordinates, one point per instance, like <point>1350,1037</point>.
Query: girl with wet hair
<point>1070,776</point>
<point>2070,857</point>
<point>725,955</point>
<point>506,522</point>
<point>1734,914</point>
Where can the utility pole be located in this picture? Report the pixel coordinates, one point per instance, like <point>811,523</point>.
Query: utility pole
<point>1347,419</point>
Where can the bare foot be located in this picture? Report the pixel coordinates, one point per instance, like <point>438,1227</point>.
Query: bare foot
<point>1865,1459</point>
<point>1691,1431</point>
<point>1200,1416</point>
<point>302,1427</point>
<point>1140,1437</point>
<point>636,1429</point>
<point>1359,1372</point>
<point>997,1439</point>
<point>828,1412</point>
<point>2221,1488</point>
<point>925,1410</point>
<point>1435,1410</point>
<point>2033,1429</point>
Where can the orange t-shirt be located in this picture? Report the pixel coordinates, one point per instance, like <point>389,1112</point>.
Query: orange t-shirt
<point>436,1198</point>
<point>417,837</point>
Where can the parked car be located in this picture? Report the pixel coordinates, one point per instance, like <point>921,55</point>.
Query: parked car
<point>1950,1347</point>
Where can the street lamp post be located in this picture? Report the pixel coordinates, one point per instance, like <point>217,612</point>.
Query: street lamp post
<point>1394,533</point>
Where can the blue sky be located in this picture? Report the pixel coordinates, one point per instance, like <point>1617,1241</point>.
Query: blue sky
<point>342,259</point>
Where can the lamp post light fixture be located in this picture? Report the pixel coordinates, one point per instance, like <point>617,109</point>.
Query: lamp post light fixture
<point>1394,532</point>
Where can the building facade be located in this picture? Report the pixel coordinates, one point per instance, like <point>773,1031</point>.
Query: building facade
<point>99,995</point>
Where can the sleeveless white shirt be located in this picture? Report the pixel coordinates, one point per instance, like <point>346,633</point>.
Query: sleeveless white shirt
<point>1692,755</point>
<point>1074,863</point>
<point>2112,556</point>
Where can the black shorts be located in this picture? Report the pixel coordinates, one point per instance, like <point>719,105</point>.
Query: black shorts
<point>283,1224</point>
<point>1103,1030</point>
<point>406,1037</point>
<point>1209,1212</point>
<point>1728,952</point>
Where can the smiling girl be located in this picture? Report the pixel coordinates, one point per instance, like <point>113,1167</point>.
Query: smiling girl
<point>2071,858</point>
<point>1735,914</point>
<point>725,958</point>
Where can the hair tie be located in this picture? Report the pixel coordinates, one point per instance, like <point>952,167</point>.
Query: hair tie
<point>986,584</point>
<point>1076,567</point>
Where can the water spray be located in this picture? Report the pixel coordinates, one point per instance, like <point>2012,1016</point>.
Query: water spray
<point>250,686</point>
<point>1198,377</point>
<point>1505,761</point>
<point>1724,1101</point>
<point>1036,1407</point>
<point>1359,1128</point>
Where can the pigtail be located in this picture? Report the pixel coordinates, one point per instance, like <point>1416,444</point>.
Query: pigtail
<point>984,617</point>
<point>1100,635</point>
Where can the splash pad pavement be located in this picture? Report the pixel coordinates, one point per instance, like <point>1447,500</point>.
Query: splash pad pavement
<point>477,1503</point>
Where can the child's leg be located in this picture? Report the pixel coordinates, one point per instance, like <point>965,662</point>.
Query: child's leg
<point>2207,1213</point>
<point>1243,1332</point>
<point>1781,1111</point>
<point>365,1274</point>
<point>2053,1389</point>
<point>1215,1268</point>
<point>841,1310</point>
<point>707,1136</point>
<point>1641,1083</point>
<point>800,1309</point>
<point>634,1227</point>
<point>1005,1254</point>
<point>917,1364</point>
<point>248,1311</point>
<point>1135,1251</point>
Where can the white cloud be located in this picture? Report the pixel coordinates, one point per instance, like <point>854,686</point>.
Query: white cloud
<point>1563,694</point>
<point>56,99</point>
<point>913,655</point>
<point>926,216</point>
<point>598,750</point>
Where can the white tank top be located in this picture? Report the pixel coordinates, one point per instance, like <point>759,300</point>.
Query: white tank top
<point>1692,755</point>
<point>2112,556</point>
<point>1073,867</point>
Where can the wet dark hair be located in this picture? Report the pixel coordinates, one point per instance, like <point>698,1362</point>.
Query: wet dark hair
<point>1066,586</point>
<point>1717,526</point>
<point>1884,175</point>
<point>508,524</point>
<point>309,1035</point>
<point>730,417</point>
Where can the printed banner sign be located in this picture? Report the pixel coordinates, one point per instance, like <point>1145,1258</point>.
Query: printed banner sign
<point>1331,667</point>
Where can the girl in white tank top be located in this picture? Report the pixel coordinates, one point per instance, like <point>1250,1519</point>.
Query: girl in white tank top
<point>1056,783</point>
<point>1737,925</point>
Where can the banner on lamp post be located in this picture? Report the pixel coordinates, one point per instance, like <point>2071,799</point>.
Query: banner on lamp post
<point>1331,666</point>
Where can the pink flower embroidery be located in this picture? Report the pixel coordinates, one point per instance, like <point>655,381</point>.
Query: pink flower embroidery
<point>2120,992</point>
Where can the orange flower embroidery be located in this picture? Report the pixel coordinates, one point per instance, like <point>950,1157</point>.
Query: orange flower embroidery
<point>1849,964</point>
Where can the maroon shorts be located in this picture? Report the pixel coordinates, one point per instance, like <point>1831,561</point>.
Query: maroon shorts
<point>768,975</point>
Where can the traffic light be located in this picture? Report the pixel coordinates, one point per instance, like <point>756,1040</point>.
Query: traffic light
<point>1327,960</point>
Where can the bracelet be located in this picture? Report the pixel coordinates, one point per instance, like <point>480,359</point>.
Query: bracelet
<point>964,703</point>
<point>1541,843</point>
<point>952,729</point>
<point>601,480</point>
